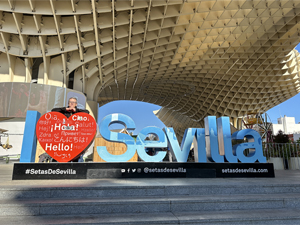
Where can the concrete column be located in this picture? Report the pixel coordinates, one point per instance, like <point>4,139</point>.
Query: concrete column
<point>93,106</point>
<point>28,65</point>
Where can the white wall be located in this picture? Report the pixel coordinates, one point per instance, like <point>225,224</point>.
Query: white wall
<point>15,129</point>
<point>276,128</point>
<point>287,125</point>
<point>296,137</point>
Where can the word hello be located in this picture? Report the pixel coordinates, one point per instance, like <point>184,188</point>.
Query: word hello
<point>59,147</point>
<point>211,144</point>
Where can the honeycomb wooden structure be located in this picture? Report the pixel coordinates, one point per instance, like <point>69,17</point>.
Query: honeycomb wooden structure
<point>194,58</point>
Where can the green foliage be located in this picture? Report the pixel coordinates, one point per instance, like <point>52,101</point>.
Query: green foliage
<point>281,138</point>
<point>281,150</point>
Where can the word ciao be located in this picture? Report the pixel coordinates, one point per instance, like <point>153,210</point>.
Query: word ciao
<point>51,116</point>
<point>211,144</point>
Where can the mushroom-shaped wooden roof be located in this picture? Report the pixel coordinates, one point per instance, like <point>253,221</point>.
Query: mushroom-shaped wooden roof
<point>193,58</point>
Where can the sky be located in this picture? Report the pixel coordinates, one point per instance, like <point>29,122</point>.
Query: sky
<point>143,116</point>
<point>141,113</point>
<point>290,108</point>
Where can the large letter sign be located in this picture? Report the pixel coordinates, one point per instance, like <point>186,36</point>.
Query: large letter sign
<point>181,153</point>
<point>211,138</point>
<point>199,146</point>
<point>212,143</point>
<point>254,145</point>
<point>224,136</point>
<point>160,143</point>
<point>140,144</point>
<point>65,138</point>
<point>117,137</point>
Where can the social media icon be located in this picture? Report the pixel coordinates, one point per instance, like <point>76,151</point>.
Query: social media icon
<point>128,170</point>
<point>139,170</point>
<point>133,170</point>
<point>123,170</point>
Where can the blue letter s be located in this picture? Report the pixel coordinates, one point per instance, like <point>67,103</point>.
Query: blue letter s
<point>117,137</point>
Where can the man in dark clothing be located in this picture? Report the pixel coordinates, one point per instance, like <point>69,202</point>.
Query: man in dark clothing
<point>71,109</point>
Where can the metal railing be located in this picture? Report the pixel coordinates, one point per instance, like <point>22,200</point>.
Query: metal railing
<point>283,156</point>
<point>8,158</point>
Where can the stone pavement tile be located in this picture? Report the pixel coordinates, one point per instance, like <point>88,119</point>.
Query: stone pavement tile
<point>264,216</point>
<point>119,219</point>
<point>148,204</point>
<point>239,216</point>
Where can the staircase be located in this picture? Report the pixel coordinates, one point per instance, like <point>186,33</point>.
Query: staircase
<point>224,201</point>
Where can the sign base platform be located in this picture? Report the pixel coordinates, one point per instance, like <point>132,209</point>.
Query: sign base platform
<point>39,171</point>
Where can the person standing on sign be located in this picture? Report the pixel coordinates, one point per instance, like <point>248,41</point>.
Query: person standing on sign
<point>69,111</point>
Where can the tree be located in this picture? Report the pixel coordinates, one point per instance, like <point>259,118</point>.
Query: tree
<point>281,137</point>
